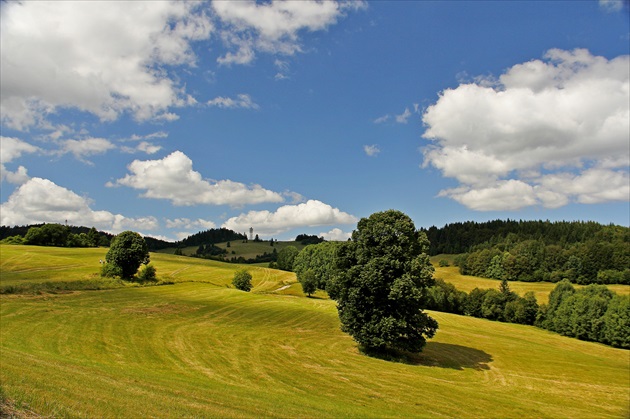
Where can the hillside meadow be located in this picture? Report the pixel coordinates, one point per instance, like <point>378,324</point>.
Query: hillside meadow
<point>199,348</point>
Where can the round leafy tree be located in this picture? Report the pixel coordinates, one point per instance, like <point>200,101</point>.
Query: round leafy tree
<point>242,280</point>
<point>128,251</point>
<point>383,274</point>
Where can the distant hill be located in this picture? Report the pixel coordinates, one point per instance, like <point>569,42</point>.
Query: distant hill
<point>211,236</point>
<point>461,237</point>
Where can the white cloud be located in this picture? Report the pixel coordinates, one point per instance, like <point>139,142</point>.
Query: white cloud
<point>382,119</point>
<point>612,6</point>
<point>403,118</point>
<point>371,150</point>
<point>503,195</point>
<point>336,234</point>
<point>190,224</point>
<point>148,148</point>
<point>273,27</point>
<point>294,197</point>
<point>81,149</point>
<point>587,187</point>
<point>105,58</point>
<point>567,116</point>
<point>42,201</point>
<point>311,213</point>
<point>283,69</point>
<point>11,149</point>
<point>174,179</point>
<point>242,101</point>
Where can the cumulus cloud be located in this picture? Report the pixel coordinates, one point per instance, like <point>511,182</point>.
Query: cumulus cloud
<point>105,58</point>
<point>148,147</point>
<point>336,234</point>
<point>371,150</point>
<point>42,201</point>
<point>190,224</point>
<point>546,132</point>
<point>273,27</point>
<point>173,178</point>
<point>11,149</point>
<point>311,213</point>
<point>81,149</point>
<point>242,101</point>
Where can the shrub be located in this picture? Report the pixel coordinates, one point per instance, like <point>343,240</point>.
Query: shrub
<point>110,270</point>
<point>147,274</point>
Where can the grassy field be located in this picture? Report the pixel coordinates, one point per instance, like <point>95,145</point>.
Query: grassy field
<point>200,349</point>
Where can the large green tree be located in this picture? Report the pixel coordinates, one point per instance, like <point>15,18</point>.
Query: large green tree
<point>383,275</point>
<point>128,251</point>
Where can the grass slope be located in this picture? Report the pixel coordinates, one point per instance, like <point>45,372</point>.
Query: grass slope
<point>201,349</point>
<point>20,265</point>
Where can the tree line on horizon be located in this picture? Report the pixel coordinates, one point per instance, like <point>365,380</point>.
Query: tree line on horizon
<point>600,258</point>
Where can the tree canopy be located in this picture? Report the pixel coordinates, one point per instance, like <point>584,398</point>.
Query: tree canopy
<point>128,251</point>
<point>286,256</point>
<point>380,284</point>
<point>319,259</point>
<point>242,280</point>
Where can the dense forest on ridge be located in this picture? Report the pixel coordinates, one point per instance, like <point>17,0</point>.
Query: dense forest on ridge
<point>583,252</point>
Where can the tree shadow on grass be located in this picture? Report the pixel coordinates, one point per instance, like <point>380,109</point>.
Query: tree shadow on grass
<point>437,354</point>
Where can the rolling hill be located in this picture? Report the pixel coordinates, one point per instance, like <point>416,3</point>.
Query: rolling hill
<point>200,348</point>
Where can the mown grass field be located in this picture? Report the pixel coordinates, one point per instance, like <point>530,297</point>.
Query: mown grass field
<point>198,348</point>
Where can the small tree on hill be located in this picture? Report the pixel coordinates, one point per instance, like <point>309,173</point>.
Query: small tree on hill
<point>242,280</point>
<point>128,251</point>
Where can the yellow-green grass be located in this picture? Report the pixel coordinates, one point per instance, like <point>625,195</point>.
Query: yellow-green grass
<point>541,289</point>
<point>198,350</point>
<point>39,264</point>
<point>20,264</point>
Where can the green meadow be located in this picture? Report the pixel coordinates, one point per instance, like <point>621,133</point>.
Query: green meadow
<point>199,348</point>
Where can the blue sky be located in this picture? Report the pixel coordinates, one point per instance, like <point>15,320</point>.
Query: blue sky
<point>303,117</point>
